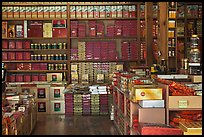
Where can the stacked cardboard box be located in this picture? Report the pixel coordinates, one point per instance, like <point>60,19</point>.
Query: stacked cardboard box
<point>69,104</point>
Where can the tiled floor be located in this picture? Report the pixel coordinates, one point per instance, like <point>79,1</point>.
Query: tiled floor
<point>74,125</point>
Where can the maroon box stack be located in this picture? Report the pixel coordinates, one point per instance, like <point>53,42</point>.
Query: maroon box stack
<point>89,50</point>
<point>69,104</point>
<point>112,51</point>
<point>104,51</point>
<point>81,30</point>
<point>86,104</point>
<point>124,50</point>
<point>103,103</point>
<point>96,50</point>
<point>118,27</point>
<point>74,26</point>
<point>100,29</point>
<point>92,28</point>
<point>110,31</point>
<point>74,54</point>
<point>133,50</point>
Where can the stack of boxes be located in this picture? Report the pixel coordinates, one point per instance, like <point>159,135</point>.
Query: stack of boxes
<point>92,28</point>
<point>103,50</point>
<point>57,103</point>
<point>77,104</point>
<point>43,99</point>
<point>86,104</point>
<point>81,50</point>
<point>112,52</point>
<point>96,50</point>
<point>81,30</point>
<point>69,104</point>
<point>74,30</point>
<point>89,50</point>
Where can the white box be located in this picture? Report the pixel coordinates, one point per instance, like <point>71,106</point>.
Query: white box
<point>25,27</point>
<point>56,93</point>
<point>57,107</point>
<point>151,103</point>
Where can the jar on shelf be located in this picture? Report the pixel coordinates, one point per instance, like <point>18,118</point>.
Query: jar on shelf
<point>194,56</point>
<point>194,41</point>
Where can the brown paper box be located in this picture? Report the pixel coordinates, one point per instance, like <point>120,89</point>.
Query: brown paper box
<point>10,11</point>
<point>46,13</point>
<point>28,11</point>
<point>40,11</point>
<point>34,12</point>
<point>4,12</point>
<point>58,12</point>
<point>64,11</point>
<point>185,102</point>
<point>16,10</point>
<point>52,11</point>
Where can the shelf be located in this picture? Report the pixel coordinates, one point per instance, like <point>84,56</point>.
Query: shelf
<point>31,4</point>
<point>104,61</point>
<point>104,37</point>
<point>34,61</point>
<point>9,19</point>
<point>30,38</point>
<point>34,49</point>
<point>180,109</point>
<point>103,18</point>
<point>35,71</point>
<point>101,4</point>
<point>38,82</point>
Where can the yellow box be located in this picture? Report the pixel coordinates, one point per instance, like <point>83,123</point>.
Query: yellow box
<point>54,76</point>
<point>185,102</point>
<point>191,128</point>
<point>148,93</point>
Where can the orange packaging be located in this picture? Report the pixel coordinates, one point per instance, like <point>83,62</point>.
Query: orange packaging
<point>16,12</point>
<point>148,93</point>
<point>58,12</point>
<point>10,11</point>
<point>40,11</point>
<point>52,11</point>
<point>34,12</point>
<point>22,12</point>
<point>28,12</point>
<point>4,12</point>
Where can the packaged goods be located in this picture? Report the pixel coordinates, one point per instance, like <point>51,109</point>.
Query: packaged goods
<point>4,29</point>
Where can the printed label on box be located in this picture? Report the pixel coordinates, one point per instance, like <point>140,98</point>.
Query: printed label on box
<point>64,11</point>
<point>102,11</point>
<point>78,11</point>
<point>57,107</point>
<point>40,11</point>
<point>22,12</point>
<point>54,77</point>
<point>41,106</point>
<point>84,11</point>
<point>72,11</point>
<point>96,11</point>
<point>16,11</point>
<point>113,11</point>
<point>90,11</point>
<point>108,9</point>
<point>10,11</point>
<point>28,12</point>
<point>56,93</point>
<point>34,12</point>
<point>52,11</point>
<point>19,31</point>
<point>4,12</point>
<point>58,12</point>
<point>119,11</point>
<point>41,93</point>
<point>46,12</point>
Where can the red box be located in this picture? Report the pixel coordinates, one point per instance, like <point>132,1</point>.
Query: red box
<point>4,56</point>
<point>42,77</point>
<point>4,44</point>
<point>11,56</point>
<point>26,55</point>
<point>11,78</point>
<point>36,29</point>
<point>11,66</point>
<point>19,55</point>
<point>12,45</point>
<point>158,129</point>
<point>27,78</point>
<point>59,32</point>
<point>19,78</point>
<point>26,44</point>
<point>35,78</point>
<point>19,44</point>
